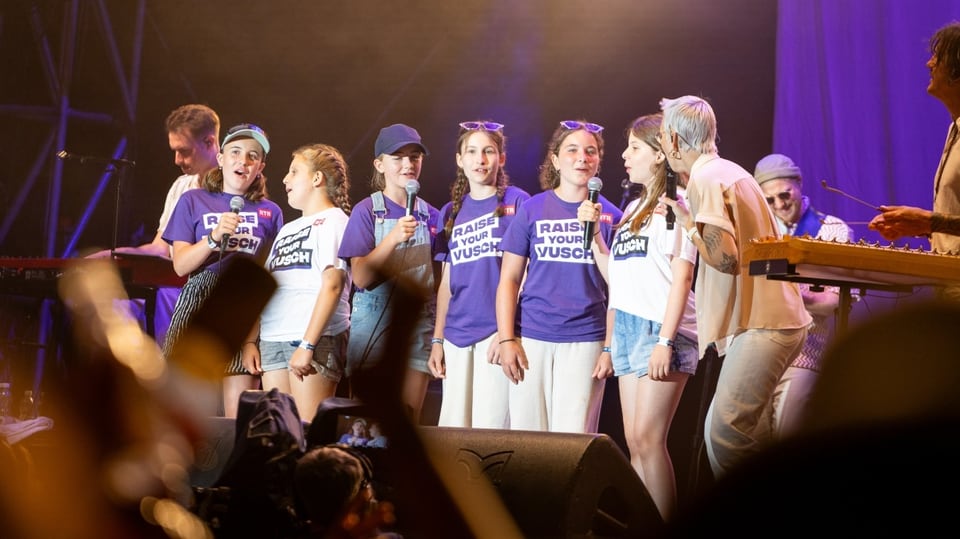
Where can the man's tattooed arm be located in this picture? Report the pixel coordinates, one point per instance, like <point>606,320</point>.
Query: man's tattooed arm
<point>720,250</point>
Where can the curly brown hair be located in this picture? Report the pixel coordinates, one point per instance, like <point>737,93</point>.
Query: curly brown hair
<point>549,176</point>
<point>945,47</point>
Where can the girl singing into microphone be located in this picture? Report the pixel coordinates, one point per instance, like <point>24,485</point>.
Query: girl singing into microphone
<point>200,222</point>
<point>384,244</point>
<point>550,334</point>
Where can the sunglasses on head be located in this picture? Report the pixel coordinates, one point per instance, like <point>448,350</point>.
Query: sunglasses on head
<point>784,196</point>
<point>486,126</point>
<point>576,124</point>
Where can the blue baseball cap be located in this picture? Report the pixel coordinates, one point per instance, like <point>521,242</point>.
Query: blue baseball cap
<point>396,136</point>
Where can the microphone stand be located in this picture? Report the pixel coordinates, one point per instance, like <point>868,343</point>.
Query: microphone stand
<point>120,170</point>
<point>117,165</point>
<point>116,211</point>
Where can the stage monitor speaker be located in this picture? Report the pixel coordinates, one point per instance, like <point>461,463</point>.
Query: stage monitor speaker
<point>213,451</point>
<point>554,484</point>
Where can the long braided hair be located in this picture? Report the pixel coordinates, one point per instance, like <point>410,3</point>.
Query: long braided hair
<point>461,185</point>
<point>330,162</point>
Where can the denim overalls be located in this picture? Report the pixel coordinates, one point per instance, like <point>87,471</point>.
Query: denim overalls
<point>371,310</point>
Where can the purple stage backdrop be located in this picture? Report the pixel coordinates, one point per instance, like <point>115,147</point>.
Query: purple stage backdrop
<point>851,102</point>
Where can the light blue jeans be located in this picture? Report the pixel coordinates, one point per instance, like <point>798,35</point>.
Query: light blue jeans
<point>740,420</point>
<point>370,320</point>
<point>632,345</point>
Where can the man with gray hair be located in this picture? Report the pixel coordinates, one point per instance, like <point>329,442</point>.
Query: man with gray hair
<point>758,325</point>
<point>781,181</point>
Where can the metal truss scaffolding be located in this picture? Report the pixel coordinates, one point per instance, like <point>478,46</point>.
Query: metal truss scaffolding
<point>77,19</point>
<point>68,38</point>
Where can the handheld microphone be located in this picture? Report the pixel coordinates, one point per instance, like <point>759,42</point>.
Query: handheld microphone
<point>412,187</point>
<point>671,192</point>
<point>594,185</point>
<point>236,204</point>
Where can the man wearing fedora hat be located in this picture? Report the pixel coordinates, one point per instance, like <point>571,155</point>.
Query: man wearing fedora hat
<point>781,181</point>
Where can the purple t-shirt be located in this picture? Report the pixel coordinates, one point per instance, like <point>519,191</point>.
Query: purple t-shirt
<point>359,237</point>
<point>198,212</point>
<point>564,296</point>
<point>473,252</point>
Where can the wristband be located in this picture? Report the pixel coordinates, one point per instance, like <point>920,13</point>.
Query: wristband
<point>305,344</point>
<point>436,340</point>
<point>691,232</point>
<point>605,349</point>
<point>664,342</point>
<point>514,339</point>
<point>210,242</point>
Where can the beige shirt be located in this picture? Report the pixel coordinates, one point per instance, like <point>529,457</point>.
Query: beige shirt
<point>946,199</point>
<point>723,194</point>
<point>184,183</point>
<point>946,191</point>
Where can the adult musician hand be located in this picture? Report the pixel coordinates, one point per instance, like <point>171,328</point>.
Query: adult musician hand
<point>898,221</point>
<point>680,210</point>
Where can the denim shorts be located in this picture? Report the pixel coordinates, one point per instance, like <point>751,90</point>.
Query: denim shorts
<point>633,341</point>
<point>370,321</point>
<point>329,356</point>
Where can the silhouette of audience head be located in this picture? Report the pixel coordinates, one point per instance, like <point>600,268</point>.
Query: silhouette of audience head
<point>330,483</point>
<point>887,394</point>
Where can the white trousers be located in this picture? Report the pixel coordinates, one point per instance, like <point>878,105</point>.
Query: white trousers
<point>475,393</point>
<point>558,392</point>
<point>791,398</point>
<point>740,421</point>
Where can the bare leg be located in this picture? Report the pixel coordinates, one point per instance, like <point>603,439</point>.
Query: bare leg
<point>309,393</point>
<point>655,405</point>
<point>233,386</point>
<point>414,392</point>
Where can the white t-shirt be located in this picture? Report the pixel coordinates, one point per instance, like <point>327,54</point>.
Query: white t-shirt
<point>640,274</point>
<point>304,248</point>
